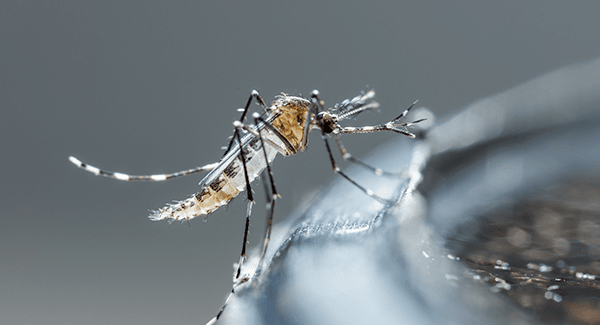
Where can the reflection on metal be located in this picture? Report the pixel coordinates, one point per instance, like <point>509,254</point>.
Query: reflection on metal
<point>454,247</point>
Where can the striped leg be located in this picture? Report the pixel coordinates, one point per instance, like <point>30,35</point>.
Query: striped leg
<point>250,198</point>
<point>125,177</point>
<point>389,126</point>
<point>406,112</point>
<point>347,156</point>
<point>318,107</point>
<point>236,280</point>
<point>271,195</point>
<point>337,170</point>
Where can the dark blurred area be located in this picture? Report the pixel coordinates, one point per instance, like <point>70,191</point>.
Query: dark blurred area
<point>543,252</point>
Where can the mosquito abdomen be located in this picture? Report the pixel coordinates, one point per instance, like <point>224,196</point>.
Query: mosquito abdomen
<point>221,190</point>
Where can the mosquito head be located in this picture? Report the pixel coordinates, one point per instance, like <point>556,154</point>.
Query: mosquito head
<point>325,122</point>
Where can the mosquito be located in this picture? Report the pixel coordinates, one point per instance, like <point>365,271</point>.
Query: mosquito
<point>280,128</point>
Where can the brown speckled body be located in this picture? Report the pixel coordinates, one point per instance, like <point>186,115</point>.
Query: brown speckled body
<point>287,115</point>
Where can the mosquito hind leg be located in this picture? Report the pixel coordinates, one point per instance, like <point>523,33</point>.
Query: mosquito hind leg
<point>125,177</point>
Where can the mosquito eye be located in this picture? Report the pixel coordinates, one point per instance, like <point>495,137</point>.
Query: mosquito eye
<point>327,125</point>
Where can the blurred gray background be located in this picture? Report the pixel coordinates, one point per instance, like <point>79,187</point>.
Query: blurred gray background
<point>143,87</point>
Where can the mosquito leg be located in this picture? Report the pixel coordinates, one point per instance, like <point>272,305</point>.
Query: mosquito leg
<point>337,170</point>
<point>248,209</point>
<point>271,195</point>
<point>318,104</point>
<point>389,126</point>
<point>246,231</point>
<point>260,101</point>
<point>405,112</point>
<point>125,177</point>
<point>315,108</point>
<point>381,127</point>
<point>347,156</point>
<point>216,318</point>
<point>244,243</point>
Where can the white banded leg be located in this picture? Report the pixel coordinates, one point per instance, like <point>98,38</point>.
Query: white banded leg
<point>337,170</point>
<point>236,279</point>
<point>250,199</point>
<point>389,126</point>
<point>271,197</point>
<point>126,177</point>
<point>347,156</point>
<point>406,112</point>
<point>216,318</point>
<point>318,107</point>
<point>270,194</point>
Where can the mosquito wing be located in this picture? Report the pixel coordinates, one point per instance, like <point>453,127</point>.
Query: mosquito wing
<point>252,145</point>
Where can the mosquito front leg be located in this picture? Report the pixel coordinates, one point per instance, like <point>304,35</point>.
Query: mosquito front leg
<point>389,126</point>
<point>337,170</point>
<point>126,177</point>
<point>347,156</point>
